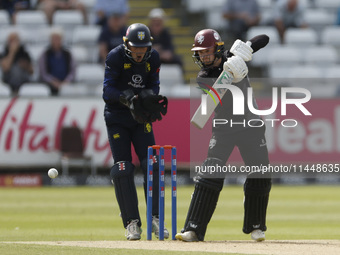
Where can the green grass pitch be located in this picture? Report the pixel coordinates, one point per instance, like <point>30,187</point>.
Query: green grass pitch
<point>92,213</point>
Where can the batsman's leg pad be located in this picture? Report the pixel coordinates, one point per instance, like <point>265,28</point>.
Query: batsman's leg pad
<point>203,202</point>
<point>256,197</point>
<point>122,175</point>
<point>155,200</point>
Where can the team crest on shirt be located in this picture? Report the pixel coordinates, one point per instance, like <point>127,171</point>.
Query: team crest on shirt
<point>141,35</point>
<point>147,127</point>
<point>212,143</point>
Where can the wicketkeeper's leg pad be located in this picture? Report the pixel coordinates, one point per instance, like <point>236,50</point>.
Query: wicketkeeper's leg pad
<point>155,188</point>
<point>256,197</point>
<point>122,175</point>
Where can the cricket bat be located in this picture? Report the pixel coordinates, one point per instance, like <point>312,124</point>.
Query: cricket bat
<point>199,119</point>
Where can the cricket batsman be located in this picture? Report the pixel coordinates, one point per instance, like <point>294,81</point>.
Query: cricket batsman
<point>209,53</point>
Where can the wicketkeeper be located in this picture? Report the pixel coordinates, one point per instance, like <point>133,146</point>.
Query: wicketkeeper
<point>209,54</point>
<point>132,103</point>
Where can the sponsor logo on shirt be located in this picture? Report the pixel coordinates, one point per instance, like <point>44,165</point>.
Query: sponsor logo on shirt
<point>136,81</point>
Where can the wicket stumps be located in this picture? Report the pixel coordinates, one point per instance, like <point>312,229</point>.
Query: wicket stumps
<point>162,190</point>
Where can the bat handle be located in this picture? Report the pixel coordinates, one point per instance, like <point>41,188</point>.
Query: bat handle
<point>249,43</point>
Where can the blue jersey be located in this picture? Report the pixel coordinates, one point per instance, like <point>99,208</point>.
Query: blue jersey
<point>122,74</point>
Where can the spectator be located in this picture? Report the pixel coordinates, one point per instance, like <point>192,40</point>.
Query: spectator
<point>111,35</point>
<point>13,6</point>
<point>56,64</point>
<point>288,13</point>
<point>105,8</point>
<point>241,14</point>
<point>16,63</point>
<point>162,39</point>
<point>50,6</point>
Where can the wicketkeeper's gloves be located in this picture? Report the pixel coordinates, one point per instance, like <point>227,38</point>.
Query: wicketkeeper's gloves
<point>145,107</point>
<point>154,105</point>
<point>129,99</point>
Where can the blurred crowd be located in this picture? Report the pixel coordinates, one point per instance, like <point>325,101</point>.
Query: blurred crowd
<point>285,14</point>
<point>80,33</point>
<point>56,61</point>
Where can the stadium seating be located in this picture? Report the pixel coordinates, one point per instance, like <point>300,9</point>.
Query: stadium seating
<point>80,54</point>
<point>35,51</point>
<point>98,92</point>
<point>279,71</point>
<point>265,4</point>
<point>195,6</point>
<point>301,37</point>
<point>5,31</point>
<point>91,75</point>
<point>4,18</point>
<point>306,71</point>
<point>333,72</point>
<point>68,20</point>
<point>287,55</point>
<point>86,35</point>
<point>266,17</point>
<point>28,35</point>
<point>34,90</point>
<point>329,5</point>
<point>320,55</point>
<point>268,30</point>
<point>31,18</point>
<point>215,18</point>
<point>306,3</point>
<point>170,75</point>
<point>88,3</point>
<point>332,79</point>
<point>261,59</point>
<point>318,18</point>
<point>179,91</point>
<point>73,90</point>
<point>317,46</point>
<point>4,90</point>
<point>331,36</point>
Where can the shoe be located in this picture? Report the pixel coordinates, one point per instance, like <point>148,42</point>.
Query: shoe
<point>133,231</point>
<point>188,236</point>
<point>258,235</point>
<point>155,228</point>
